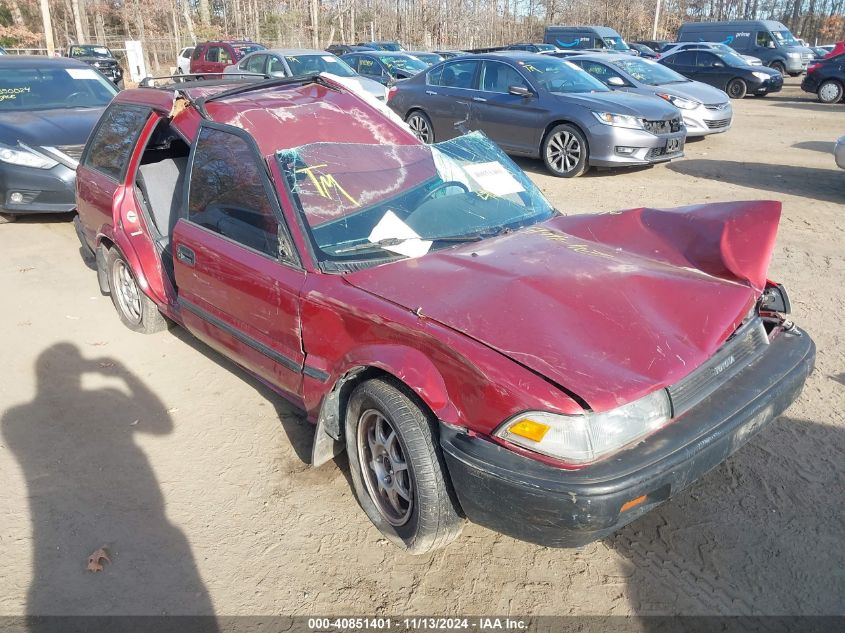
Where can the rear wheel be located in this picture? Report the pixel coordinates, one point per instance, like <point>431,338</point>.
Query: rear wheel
<point>565,151</point>
<point>830,91</point>
<point>421,126</point>
<point>135,309</point>
<point>737,89</point>
<point>778,66</point>
<point>397,470</point>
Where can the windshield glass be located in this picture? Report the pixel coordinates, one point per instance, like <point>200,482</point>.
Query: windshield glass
<point>246,49</point>
<point>545,47</point>
<point>732,59</point>
<point>405,63</point>
<point>363,204</point>
<point>309,64</point>
<point>428,58</point>
<point>90,51</point>
<point>616,43</point>
<point>390,46</point>
<point>558,75</point>
<point>785,38</point>
<point>49,88</point>
<point>649,72</point>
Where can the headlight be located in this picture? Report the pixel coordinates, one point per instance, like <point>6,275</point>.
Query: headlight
<point>761,76</point>
<point>619,120</point>
<point>794,55</point>
<point>26,157</point>
<point>581,439</point>
<point>679,102</point>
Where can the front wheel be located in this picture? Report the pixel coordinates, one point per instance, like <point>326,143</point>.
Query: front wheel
<point>397,469</point>
<point>135,309</point>
<point>778,66</point>
<point>737,89</point>
<point>565,151</point>
<point>421,126</point>
<point>830,91</point>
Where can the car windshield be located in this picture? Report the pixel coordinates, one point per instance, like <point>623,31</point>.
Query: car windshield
<point>390,46</point>
<point>364,204</point>
<point>785,38</point>
<point>615,43</point>
<point>731,59</point>
<point>310,64</point>
<point>545,47</point>
<point>428,58</point>
<point>558,75</point>
<point>90,51</point>
<point>246,49</point>
<point>54,87</point>
<point>405,63</point>
<point>649,72</point>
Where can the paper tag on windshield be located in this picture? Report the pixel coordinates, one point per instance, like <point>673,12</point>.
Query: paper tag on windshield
<point>494,178</point>
<point>82,73</point>
<point>391,227</point>
<point>328,58</point>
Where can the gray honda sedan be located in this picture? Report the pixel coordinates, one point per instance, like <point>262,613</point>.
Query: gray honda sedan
<point>706,110</point>
<point>539,106</point>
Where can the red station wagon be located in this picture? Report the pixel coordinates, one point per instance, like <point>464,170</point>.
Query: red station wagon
<point>213,57</point>
<point>476,353</point>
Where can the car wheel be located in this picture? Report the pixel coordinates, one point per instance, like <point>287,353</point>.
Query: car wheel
<point>565,151</point>
<point>830,91</point>
<point>397,469</point>
<point>737,89</point>
<point>135,309</point>
<point>421,126</point>
<point>778,66</point>
<point>7,218</point>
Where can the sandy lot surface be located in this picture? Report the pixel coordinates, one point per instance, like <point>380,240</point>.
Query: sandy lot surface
<point>195,476</point>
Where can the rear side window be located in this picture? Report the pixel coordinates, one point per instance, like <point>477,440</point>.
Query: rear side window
<point>706,60</point>
<point>433,78</point>
<point>111,145</point>
<point>459,74</point>
<point>686,58</point>
<point>228,193</point>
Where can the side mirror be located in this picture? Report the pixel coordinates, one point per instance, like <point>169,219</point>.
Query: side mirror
<point>616,82</point>
<point>278,73</point>
<point>519,91</point>
<point>718,65</point>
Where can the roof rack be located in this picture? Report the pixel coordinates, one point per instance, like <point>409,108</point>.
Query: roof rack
<point>199,104</point>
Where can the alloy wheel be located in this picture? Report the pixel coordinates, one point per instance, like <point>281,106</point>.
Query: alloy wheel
<point>387,475</point>
<point>420,127</point>
<point>564,152</point>
<point>126,290</point>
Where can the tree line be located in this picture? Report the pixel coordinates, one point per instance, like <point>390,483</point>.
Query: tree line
<point>165,26</point>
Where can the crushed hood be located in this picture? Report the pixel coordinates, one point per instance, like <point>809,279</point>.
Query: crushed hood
<point>609,306</point>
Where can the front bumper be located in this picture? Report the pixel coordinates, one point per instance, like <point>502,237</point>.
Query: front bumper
<point>605,141</point>
<point>43,190</point>
<point>767,86</point>
<point>712,119</point>
<point>810,83</point>
<point>536,502</point>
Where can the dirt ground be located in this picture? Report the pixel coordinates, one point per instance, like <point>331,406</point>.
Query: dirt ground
<point>195,477</point>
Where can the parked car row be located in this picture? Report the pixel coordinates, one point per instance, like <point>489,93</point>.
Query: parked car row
<point>363,275</point>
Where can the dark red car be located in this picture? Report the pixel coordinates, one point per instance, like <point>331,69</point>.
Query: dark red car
<point>213,57</point>
<point>476,353</point>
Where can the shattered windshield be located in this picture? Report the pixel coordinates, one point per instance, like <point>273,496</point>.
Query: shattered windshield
<point>364,204</point>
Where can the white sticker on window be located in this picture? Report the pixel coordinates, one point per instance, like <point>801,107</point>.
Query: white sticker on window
<point>328,58</point>
<point>82,73</point>
<point>493,178</point>
<point>390,227</point>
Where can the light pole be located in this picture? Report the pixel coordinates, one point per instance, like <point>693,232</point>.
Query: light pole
<point>656,18</point>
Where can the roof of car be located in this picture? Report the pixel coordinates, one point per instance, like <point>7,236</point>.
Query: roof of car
<point>385,53</point>
<point>27,61</point>
<point>513,55</point>
<point>293,51</point>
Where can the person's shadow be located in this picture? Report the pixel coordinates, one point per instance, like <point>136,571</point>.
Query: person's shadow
<point>90,485</point>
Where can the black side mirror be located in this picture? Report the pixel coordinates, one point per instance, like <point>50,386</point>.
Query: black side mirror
<point>519,91</point>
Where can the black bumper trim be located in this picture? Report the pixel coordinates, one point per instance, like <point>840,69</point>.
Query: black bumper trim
<point>536,502</point>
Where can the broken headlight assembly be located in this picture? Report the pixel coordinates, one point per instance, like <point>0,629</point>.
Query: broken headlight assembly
<point>586,438</point>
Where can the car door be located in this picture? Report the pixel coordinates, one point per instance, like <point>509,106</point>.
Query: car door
<point>238,287</point>
<point>712,70</point>
<point>198,59</point>
<point>510,120</point>
<point>371,68</point>
<point>683,63</point>
<point>256,64</point>
<point>448,96</point>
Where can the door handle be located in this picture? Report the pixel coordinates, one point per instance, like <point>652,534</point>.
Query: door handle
<point>185,255</point>
<point>479,99</point>
<point>430,92</point>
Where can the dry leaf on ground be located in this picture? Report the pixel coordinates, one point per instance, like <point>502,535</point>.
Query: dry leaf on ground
<point>94,564</point>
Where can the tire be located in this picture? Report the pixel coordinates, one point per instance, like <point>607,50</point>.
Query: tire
<point>421,126</point>
<point>565,151</point>
<point>7,218</point>
<point>382,420</point>
<point>778,66</point>
<point>830,91</point>
<point>135,309</point>
<point>737,89</point>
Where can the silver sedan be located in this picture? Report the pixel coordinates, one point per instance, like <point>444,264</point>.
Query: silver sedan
<point>706,110</point>
<point>839,152</point>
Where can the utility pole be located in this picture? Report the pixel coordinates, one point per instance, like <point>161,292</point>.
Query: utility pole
<point>656,19</point>
<point>48,27</point>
